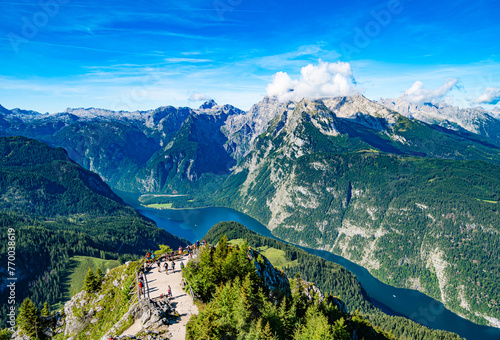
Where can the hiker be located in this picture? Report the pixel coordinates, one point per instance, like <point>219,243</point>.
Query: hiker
<point>140,287</point>
<point>180,250</point>
<point>173,266</point>
<point>166,267</point>
<point>169,291</point>
<point>182,266</point>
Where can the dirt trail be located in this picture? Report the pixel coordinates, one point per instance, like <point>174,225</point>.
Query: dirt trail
<point>158,283</point>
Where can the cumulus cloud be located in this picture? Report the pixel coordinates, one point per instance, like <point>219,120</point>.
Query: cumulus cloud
<point>196,97</point>
<point>418,95</point>
<point>316,81</point>
<point>490,96</point>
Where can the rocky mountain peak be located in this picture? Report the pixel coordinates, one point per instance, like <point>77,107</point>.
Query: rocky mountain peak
<point>3,110</point>
<point>208,104</point>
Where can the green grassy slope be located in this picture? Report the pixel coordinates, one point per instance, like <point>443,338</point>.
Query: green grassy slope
<point>78,269</point>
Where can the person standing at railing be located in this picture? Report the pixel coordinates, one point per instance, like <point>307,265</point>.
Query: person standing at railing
<point>141,285</point>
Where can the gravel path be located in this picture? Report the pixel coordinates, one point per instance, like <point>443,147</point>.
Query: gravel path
<point>158,283</point>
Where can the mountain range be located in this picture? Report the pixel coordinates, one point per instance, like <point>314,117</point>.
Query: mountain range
<point>477,120</point>
<point>409,191</point>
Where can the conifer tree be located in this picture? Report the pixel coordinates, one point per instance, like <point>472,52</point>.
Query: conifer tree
<point>5,334</point>
<point>339,330</point>
<point>45,310</point>
<point>99,276</point>
<point>266,333</point>
<point>89,283</point>
<point>28,319</point>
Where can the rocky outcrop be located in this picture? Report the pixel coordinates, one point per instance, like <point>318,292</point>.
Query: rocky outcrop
<point>153,316</point>
<point>82,310</point>
<point>274,281</point>
<point>311,292</point>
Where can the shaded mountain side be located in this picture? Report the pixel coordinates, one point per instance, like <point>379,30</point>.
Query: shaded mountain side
<point>331,279</point>
<point>113,144</point>
<point>58,210</point>
<point>193,159</point>
<point>37,179</point>
<point>115,150</point>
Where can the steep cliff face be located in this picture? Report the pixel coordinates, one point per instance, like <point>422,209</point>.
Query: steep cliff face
<point>196,155</point>
<point>242,129</point>
<point>274,280</point>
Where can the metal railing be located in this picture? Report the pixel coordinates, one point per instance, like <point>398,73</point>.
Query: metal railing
<point>190,289</point>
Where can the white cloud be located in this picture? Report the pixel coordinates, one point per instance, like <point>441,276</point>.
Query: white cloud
<point>196,97</point>
<point>418,95</point>
<point>316,81</point>
<point>187,60</point>
<point>490,96</point>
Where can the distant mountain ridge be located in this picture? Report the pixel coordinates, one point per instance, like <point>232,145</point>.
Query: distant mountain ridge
<point>476,120</point>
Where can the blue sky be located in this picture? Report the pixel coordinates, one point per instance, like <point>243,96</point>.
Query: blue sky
<point>129,55</point>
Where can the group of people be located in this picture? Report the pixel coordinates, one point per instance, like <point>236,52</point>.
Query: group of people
<point>166,266</point>
<point>170,257</point>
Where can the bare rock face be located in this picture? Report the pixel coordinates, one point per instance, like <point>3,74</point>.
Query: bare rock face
<point>311,292</point>
<point>475,120</point>
<point>153,315</point>
<point>242,129</point>
<point>18,336</point>
<point>274,280</point>
<point>74,323</point>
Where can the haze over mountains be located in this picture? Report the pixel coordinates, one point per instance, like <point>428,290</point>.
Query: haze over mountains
<point>409,191</point>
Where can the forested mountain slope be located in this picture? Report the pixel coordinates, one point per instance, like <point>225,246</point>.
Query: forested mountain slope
<point>415,222</point>
<point>58,210</point>
<point>331,279</point>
